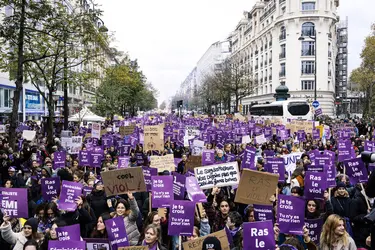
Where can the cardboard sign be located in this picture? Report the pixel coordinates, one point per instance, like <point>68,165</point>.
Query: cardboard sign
<point>126,130</point>
<point>163,163</point>
<point>221,118</point>
<point>28,135</point>
<point>153,138</point>
<point>256,187</point>
<point>197,244</point>
<point>219,175</point>
<point>123,180</point>
<point>134,248</point>
<point>193,162</point>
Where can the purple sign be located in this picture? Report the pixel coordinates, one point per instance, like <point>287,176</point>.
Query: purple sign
<point>178,186</point>
<point>331,175</point>
<point>276,166</point>
<point>50,188</point>
<point>162,191</point>
<point>64,245</point>
<point>147,173</point>
<point>369,146</point>
<point>84,158</point>
<point>59,159</point>
<point>356,170</point>
<point>96,158</point>
<point>69,233</point>
<point>208,157</point>
<point>14,202</point>
<point>123,161</point>
<point>117,233</point>
<point>86,191</point>
<point>260,235</point>
<point>301,135</point>
<point>316,134</point>
<point>315,228</point>
<point>263,212</point>
<point>322,159</point>
<point>290,216</point>
<point>344,150</point>
<point>181,218</point>
<point>314,168</point>
<point>195,193</point>
<point>69,192</point>
<point>315,184</point>
<point>249,158</point>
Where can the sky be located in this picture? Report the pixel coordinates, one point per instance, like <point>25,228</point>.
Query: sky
<point>168,37</point>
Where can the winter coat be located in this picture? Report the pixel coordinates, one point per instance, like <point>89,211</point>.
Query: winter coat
<point>339,205</point>
<point>16,239</point>
<point>98,202</point>
<point>131,223</point>
<point>340,246</point>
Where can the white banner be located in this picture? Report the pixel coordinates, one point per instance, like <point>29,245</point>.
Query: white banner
<point>95,130</point>
<point>219,175</point>
<point>290,161</point>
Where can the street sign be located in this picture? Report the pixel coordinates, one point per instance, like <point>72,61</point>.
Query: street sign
<point>315,104</point>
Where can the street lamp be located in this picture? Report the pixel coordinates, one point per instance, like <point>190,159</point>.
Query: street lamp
<point>301,38</point>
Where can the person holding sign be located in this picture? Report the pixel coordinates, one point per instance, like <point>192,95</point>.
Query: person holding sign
<point>152,238</point>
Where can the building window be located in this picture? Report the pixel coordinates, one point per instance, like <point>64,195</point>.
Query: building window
<point>308,67</point>
<point>307,85</point>
<point>308,48</point>
<point>329,69</point>
<point>282,33</point>
<point>283,51</point>
<point>308,6</point>
<point>308,29</point>
<point>282,69</point>
<point>329,50</point>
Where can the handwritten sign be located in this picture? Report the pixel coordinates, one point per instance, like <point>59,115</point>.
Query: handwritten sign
<point>197,244</point>
<point>163,163</point>
<point>153,138</point>
<point>220,175</point>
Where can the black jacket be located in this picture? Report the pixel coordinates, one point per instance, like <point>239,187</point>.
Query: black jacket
<point>98,202</point>
<point>339,206</point>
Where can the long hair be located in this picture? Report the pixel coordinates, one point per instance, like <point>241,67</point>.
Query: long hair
<point>54,209</point>
<point>96,233</point>
<point>328,237</point>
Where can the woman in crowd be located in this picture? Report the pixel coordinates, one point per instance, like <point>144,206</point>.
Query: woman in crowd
<point>152,238</point>
<point>100,229</point>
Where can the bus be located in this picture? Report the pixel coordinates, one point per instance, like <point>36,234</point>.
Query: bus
<point>284,110</point>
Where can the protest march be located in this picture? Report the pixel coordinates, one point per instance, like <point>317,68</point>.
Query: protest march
<point>162,181</point>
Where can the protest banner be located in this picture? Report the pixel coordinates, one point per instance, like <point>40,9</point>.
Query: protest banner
<point>263,212</point>
<point>260,139</point>
<point>84,158</point>
<point>123,180</point>
<point>221,118</point>
<point>178,186</point>
<point>163,163</point>
<point>198,243</point>
<point>126,130</point>
<point>116,233</point>
<point>219,175</point>
<point>64,245</point>
<point>95,130</point>
<point>96,244</point>
<point>208,157</point>
<point>315,185</point>
<point>153,138</point>
<point>69,233</point>
<point>76,145</point>
<point>259,235</point>
<point>28,135</point>
<point>356,170</point>
<point>290,161</point>
<point>59,159</point>
<point>249,158</point>
<point>50,188</point>
<point>96,158</point>
<point>14,202</point>
<point>197,147</point>
<point>162,191</point>
<point>315,228</point>
<point>86,191</point>
<point>256,187</point>
<point>147,173</point>
<point>69,193</point>
<point>193,162</point>
<point>181,218</point>
<point>290,216</point>
<point>276,166</point>
<point>195,193</point>
<point>123,161</point>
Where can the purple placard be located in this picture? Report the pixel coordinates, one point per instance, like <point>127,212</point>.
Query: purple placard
<point>181,218</point>
<point>147,173</point>
<point>14,202</point>
<point>249,158</point>
<point>50,188</point>
<point>117,233</point>
<point>331,175</point>
<point>344,150</point>
<point>316,134</point>
<point>84,158</point>
<point>315,228</point>
<point>263,212</point>
<point>315,184</point>
<point>290,216</point>
<point>269,153</point>
<point>322,159</point>
<point>260,235</point>
<point>208,157</point>
<point>96,158</point>
<point>162,191</point>
<point>301,136</point>
<point>64,245</point>
<point>59,159</point>
<point>314,168</point>
<point>369,146</point>
<point>195,193</point>
<point>86,191</point>
<point>178,186</point>
<point>69,192</point>
<point>276,166</point>
<point>69,233</point>
<point>123,161</point>
<point>356,170</point>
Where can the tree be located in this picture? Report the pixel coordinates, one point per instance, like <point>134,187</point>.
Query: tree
<point>163,105</point>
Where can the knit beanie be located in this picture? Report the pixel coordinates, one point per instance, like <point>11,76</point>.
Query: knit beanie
<point>211,243</point>
<point>33,223</point>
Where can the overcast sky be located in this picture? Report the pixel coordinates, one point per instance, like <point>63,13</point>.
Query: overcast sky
<point>168,37</point>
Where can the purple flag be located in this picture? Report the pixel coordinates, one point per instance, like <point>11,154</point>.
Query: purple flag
<point>147,173</point>
<point>315,228</point>
<point>276,166</point>
<point>84,158</point>
<point>315,184</point>
<point>59,159</point>
<point>64,245</point>
<point>263,212</point>
<point>195,193</point>
<point>162,191</point>
<point>249,158</point>
<point>181,218</point>
<point>178,186</point>
<point>208,157</point>
<point>69,233</point>
<point>117,233</point>
<point>50,188</point>
<point>123,161</point>
<point>14,202</point>
<point>69,192</point>
<point>259,235</point>
<point>290,216</point>
<point>356,170</point>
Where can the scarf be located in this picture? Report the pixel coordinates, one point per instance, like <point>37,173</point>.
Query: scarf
<point>234,231</point>
<point>154,247</point>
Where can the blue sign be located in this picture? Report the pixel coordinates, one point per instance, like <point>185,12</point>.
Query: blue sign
<point>315,104</point>
<point>32,100</point>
